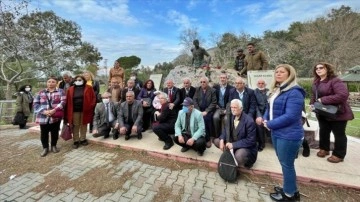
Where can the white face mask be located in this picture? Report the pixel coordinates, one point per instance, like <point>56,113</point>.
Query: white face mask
<point>105,100</point>
<point>132,77</point>
<point>78,83</point>
<point>27,89</point>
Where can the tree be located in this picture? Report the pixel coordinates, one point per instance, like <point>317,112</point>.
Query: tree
<point>37,44</point>
<point>87,53</point>
<point>129,62</point>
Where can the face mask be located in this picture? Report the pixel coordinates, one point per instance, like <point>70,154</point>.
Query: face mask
<point>105,100</point>
<point>132,77</point>
<point>261,88</point>
<point>27,89</point>
<point>78,83</point>
<point>185,109</point>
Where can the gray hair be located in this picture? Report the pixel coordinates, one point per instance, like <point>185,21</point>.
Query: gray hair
<point>130,93</point>
<point>187,79</point>
<point>67,73</point>
<point>164,95</point>
<point>107,94</point>
<point>237,102</point>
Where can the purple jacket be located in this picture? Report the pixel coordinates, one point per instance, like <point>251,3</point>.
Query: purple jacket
<point>333,91</point>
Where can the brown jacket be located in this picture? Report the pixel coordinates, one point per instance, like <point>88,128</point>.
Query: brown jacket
<point>255,61</point>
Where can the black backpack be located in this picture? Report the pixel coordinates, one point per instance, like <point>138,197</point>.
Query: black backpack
<point>227,167</point>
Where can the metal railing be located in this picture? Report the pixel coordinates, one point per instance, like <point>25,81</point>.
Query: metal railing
<point>7,111</point>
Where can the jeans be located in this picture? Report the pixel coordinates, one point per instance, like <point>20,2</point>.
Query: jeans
<point>286,151</point>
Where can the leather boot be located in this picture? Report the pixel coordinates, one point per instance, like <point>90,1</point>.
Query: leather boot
<point>54,149</point>
<point>168,144</point>
<point>44,152</point>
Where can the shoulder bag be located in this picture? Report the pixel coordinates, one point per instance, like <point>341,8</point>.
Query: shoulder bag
<point>59,113</point>
<point>328,111</point>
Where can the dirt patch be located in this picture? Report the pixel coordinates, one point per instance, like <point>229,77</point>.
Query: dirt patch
<point>166,194</point>
<point>17,161</point>
<point>104,178</point>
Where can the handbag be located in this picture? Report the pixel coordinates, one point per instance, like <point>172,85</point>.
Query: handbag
<point>19,119</point>
<point>227,167</point>
<point>59,113</point>
<point>328,111</point>
<point>66,132</point>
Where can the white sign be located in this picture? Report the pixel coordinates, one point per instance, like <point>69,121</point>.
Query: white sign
<point>254,75</point>
<point>157,80</point>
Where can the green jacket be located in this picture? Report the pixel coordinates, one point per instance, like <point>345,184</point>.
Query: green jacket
<point>23,104</point>
<point>197,125</point>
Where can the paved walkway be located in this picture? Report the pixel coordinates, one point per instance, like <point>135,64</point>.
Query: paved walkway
<point>197,184</point>
<point>145,182</point>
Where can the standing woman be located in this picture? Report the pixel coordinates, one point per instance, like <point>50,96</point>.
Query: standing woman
<point>80,103</point>
<point>46,103</point>
<point>283,119</point>
<point>331,90</point>
<point>90,80</point>
<point>146,96</point>
<point>24,102</point>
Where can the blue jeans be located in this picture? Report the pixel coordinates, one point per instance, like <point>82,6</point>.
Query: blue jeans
<point>286,151</point>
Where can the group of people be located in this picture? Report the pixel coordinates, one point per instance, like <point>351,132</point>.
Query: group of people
<point>230,117</point>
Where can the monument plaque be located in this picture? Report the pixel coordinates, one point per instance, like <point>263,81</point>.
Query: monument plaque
<point>157,80</point>
<point>253,76</point>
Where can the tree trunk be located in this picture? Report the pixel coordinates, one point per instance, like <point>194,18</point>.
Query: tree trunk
<point>9,92</point>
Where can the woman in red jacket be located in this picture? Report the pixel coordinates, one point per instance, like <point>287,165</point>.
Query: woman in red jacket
<point>80,103</point>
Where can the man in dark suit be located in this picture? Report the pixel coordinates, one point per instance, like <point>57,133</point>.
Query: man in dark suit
<point>187,90</point>
<point>167,118</point>
<point>173,95</point>
<point>105,117</point>
<point>222,96</point>
<point>246,95</point>
<point>130,116</point>
<point>261,99</point>
<point>205,101</point>
<point>239,135</point>
<point>130,87</point>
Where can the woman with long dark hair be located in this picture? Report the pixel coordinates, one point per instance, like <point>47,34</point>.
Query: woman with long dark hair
<point>24,102</point>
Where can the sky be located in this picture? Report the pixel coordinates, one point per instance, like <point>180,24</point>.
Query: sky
<point>150,29</point>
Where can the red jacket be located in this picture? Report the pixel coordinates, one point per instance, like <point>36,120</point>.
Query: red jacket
<point>89,102</point>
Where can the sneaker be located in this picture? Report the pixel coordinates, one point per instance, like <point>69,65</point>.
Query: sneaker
<point>281,196</point>
<point>127,137</point>
<point>200,153</point>
<point>280,190</point>
<point>185,149</point>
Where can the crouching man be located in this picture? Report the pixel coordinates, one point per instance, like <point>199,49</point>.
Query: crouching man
<point>105,118</point>
<point>239,134</point>
<point>130,116</point>
<point>190,128</point>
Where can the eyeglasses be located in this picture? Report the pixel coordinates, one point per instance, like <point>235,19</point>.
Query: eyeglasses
<point>321,67</point>
<point>104,97</point>
<point>202,81</point>
<point>261,83</point>
<point>238,83</point>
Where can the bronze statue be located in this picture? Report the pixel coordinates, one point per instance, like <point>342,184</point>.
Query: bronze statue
<point>198,55</point>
